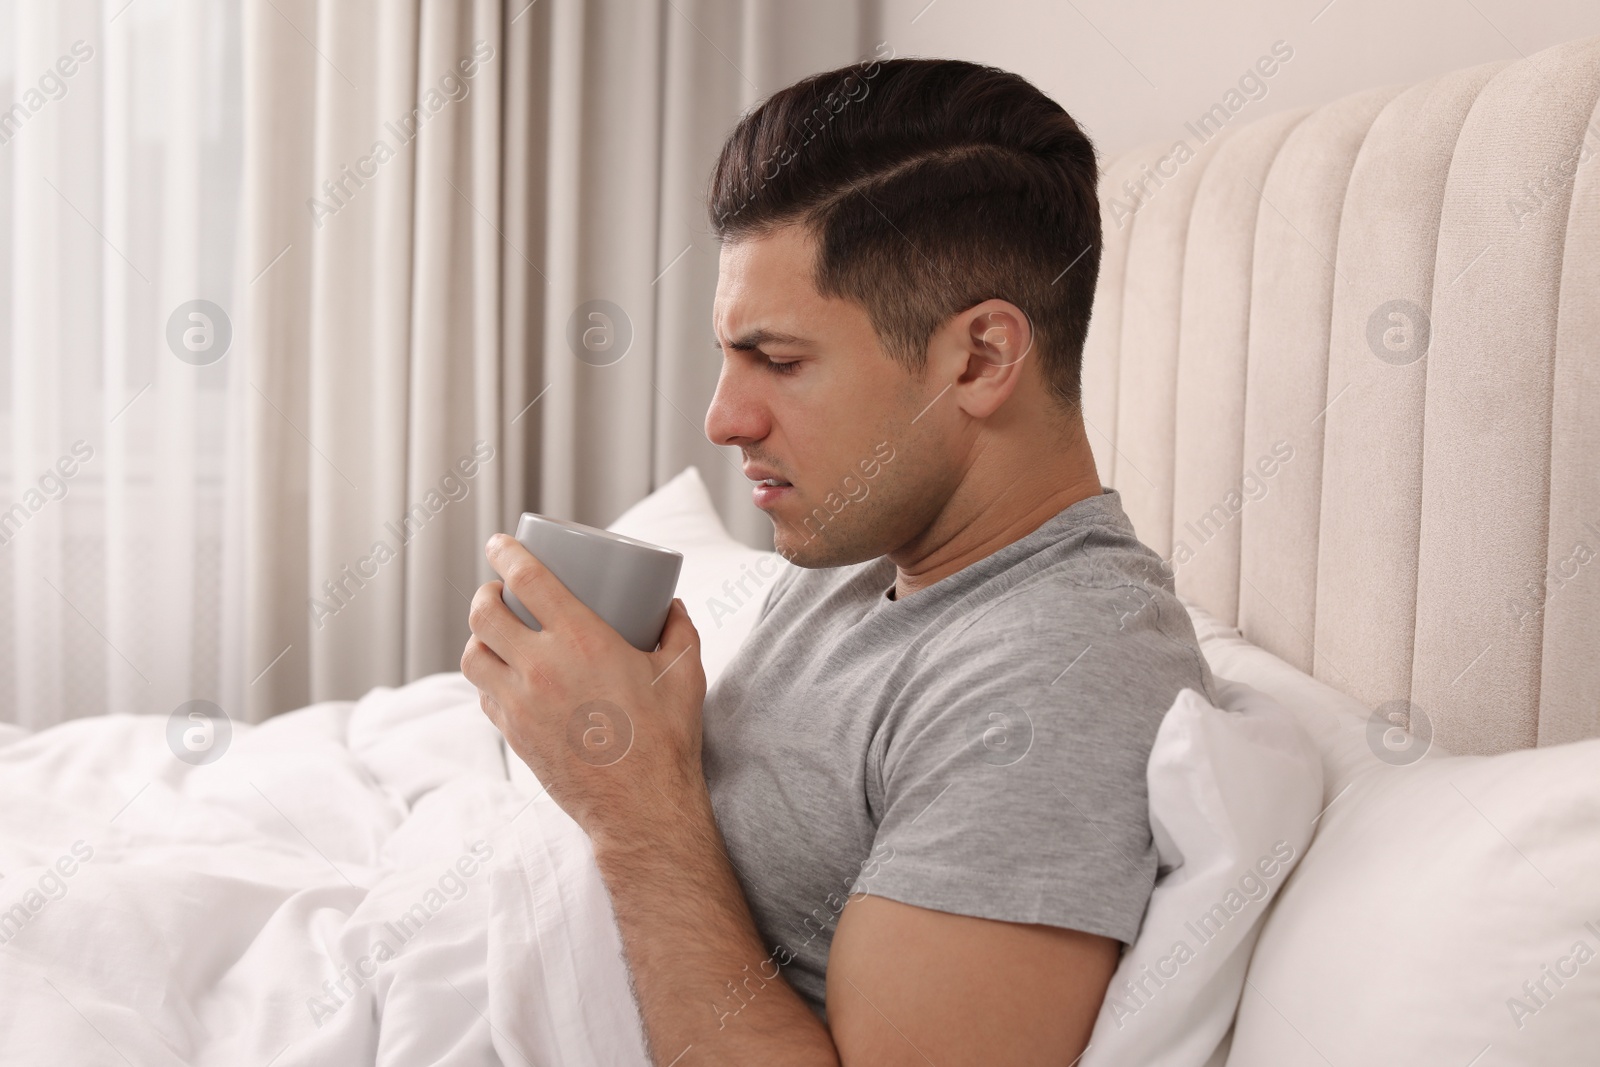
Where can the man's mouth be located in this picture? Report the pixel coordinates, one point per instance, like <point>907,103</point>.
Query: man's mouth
<point>769,491</point>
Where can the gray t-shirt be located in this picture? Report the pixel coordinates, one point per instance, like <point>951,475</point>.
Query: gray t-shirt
<point>978,747</point>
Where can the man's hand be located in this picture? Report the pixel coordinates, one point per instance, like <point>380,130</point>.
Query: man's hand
<point>614,735</point>
<point>608,730</point>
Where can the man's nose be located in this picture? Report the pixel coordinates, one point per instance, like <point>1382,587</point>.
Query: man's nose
<point>734,415</point>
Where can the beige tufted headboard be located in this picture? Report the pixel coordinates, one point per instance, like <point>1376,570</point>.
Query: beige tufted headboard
<point>1344,369</point>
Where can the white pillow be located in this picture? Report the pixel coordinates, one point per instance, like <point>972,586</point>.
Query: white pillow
<point>1447,911</point>
<point>722,582</point>
<point>1336,722</point>
<point>1232,796</point>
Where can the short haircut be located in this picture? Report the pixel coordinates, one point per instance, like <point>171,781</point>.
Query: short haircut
<point>931,186</point>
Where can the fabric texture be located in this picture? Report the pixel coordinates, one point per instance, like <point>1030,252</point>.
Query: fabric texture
<point>1328,716</point>
<point>1000,719</point>
<point>1367,555</point>
<point>351,882</point>
<point>1445,907</point>
<point>1368,444</point>
<point>1292,291</point>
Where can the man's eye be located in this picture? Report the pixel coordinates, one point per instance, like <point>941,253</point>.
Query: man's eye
<point>783,368</point>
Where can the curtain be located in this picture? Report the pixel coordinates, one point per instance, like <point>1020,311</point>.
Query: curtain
<point>311,296</point>
<point>522,290</point>
<point>119,172</point>
<point>374,443</point>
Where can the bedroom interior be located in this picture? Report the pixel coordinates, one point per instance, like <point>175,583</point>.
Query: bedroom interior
<point>1340,369</point>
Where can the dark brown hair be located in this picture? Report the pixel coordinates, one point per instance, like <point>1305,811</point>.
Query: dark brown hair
<point>931,185</point>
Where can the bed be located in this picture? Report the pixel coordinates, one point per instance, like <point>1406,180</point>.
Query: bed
<point>1401,290</point>
<point>1342,369</point>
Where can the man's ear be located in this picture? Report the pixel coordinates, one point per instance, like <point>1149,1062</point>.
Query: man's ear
<point>996,338</point>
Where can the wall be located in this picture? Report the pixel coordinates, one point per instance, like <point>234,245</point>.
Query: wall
<point>1135,72</point>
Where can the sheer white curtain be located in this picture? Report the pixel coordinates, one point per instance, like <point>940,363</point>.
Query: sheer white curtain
<point>119,173</point>
<point>395,209</point>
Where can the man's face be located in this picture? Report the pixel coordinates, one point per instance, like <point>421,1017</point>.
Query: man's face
<point>847,426</point>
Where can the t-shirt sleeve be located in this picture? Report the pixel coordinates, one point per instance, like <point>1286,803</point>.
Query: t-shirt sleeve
<point>1008,780</point>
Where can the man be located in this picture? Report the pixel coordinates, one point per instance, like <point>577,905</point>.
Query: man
<point>909,823</point>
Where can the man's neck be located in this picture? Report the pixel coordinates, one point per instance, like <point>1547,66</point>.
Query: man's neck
<point>979,521</point>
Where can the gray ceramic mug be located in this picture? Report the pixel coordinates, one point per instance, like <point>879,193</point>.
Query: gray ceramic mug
<point>627,582</point>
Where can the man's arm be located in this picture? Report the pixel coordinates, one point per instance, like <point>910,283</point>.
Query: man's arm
<point>709,992</point>
<point>906,985</point>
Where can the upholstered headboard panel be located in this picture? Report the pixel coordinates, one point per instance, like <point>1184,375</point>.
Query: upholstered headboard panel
<point>1344,369</point>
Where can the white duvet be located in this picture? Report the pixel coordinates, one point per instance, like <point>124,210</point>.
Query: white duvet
<point>353,882</point>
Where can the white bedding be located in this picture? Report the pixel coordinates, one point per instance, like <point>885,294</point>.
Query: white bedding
<point>353,882</point>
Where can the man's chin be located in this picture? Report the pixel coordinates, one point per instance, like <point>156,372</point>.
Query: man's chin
<point>818,551</point>
<point>800,551</point>
<point>786,548</point>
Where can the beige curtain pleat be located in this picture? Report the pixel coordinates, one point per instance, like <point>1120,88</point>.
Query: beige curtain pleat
<point>273,334</point>
<point>526,110</point>
<point>361,302</point>
<point>455,337</point>
<point>604,183</point>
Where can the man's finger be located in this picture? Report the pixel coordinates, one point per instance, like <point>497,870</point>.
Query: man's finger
<point>494,627</point>
<point>493,623</point>
<point>481,665</point>
<point>532,583</point>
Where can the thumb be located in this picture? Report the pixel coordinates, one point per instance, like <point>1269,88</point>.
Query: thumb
<point>679,654</point>
<point>679,633</point>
